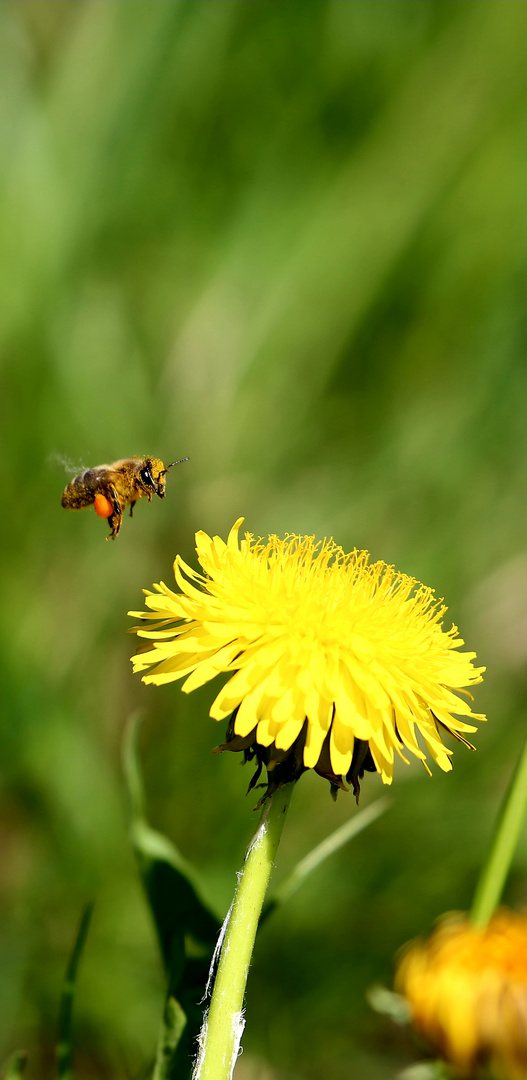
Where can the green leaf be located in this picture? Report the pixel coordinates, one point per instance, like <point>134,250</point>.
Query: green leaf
<point>186,927</point>
<point>179,913</point>
<point>16,1065</point>
<point>172,1027</point>
<point>64,1049</point>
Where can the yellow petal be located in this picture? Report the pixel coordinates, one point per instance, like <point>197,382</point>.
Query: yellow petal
<point>340,747</point>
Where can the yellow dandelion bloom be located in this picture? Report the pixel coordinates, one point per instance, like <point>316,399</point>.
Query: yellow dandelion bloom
<point>334,663</point>
<point>467,991</point>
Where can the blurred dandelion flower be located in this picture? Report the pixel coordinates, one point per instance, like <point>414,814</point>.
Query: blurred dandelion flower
<point>336,663</point>
<point>467,991</point>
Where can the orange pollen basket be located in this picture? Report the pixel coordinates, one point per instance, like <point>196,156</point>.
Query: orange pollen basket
<point>102,506</point>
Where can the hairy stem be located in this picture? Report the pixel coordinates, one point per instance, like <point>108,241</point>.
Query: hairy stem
<point>223,1027</point>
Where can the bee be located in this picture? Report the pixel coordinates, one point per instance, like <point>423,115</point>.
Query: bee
<point>111,488</point>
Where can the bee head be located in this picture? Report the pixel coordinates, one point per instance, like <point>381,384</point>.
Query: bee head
<point>153,473</point>
<point>152,476</point>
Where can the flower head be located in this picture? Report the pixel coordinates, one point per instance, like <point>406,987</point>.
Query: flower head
<point>467,991</point>
<point>334,663</point>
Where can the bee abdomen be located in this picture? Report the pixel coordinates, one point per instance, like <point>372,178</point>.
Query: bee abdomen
<point>81,490</point>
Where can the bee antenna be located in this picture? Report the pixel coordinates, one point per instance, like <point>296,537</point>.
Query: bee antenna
<point>181,460</point>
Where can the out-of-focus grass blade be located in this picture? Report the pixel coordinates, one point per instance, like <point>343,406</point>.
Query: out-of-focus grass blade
<point>16,1065</point>
<point>322,851</point>
<point>186,928</point>
<point>64,1051</point>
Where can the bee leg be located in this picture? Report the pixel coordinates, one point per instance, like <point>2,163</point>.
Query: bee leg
<point>114,521</point>
<point>132,504</point>
<point>115,524</point>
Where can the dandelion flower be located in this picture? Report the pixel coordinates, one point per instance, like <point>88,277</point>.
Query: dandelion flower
<point>334,663</point>
<point>467,991</point>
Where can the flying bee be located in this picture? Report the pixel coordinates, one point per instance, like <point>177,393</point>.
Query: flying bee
<point>111,488</point>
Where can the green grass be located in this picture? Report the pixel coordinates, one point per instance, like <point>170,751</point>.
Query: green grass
<point>288,240</point>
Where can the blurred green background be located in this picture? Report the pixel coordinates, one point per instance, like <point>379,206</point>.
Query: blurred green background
<point>289,240</point>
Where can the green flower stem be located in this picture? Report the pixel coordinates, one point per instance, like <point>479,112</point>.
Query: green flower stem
<point>508,828</point>
<point>223,1027</point>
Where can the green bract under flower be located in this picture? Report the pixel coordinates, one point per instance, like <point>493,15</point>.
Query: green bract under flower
<point>343,660</point>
